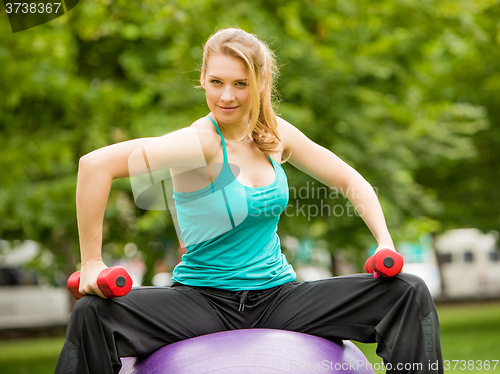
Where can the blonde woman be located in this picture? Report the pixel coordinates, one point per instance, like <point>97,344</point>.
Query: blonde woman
<point>229,192</point>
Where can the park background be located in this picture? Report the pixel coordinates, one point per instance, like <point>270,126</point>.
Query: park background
<point>407,92</point>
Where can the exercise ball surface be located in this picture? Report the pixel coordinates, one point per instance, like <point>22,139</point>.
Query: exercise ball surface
<point>252,351</point>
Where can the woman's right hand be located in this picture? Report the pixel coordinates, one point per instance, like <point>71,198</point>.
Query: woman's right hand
<point>88,278</point>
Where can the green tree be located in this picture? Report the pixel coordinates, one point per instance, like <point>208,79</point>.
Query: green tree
<point>468,188</point>
<point>375,83</point>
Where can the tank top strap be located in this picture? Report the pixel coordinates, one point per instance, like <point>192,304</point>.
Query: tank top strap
<point>222,139</point>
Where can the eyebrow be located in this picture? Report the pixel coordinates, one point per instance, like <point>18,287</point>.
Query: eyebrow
<point>236,80</point>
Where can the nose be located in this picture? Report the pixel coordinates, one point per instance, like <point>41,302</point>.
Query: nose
<point>227,94</point>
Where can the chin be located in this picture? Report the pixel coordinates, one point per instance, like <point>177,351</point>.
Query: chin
<point>229,117</point>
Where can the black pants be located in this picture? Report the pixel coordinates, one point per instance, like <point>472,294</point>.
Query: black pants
<point>398,314</point>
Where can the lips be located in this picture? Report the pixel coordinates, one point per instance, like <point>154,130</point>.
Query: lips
<point>228,109</point>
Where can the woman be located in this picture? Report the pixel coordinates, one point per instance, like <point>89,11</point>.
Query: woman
<point>229,191</point>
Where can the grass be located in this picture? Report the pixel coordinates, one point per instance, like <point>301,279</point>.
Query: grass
<point>29,356</point>
<point>469,332</point>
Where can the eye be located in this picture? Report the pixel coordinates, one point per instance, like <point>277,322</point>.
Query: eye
<point>215,81</point>
<point>241,84</point>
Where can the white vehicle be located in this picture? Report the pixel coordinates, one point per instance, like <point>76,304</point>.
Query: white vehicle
<point>470,263</point>
<point>24,302</point>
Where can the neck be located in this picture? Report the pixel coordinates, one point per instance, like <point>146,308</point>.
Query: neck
<point>234,131</point>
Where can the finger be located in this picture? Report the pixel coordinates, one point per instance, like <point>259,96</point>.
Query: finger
<point>98,292</point>
<point>92,290</point>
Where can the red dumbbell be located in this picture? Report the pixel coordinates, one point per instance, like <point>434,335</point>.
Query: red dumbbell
<point>385,262</point>
<point>113,282</point>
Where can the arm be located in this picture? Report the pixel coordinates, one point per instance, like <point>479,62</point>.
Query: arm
<point>184,148</point>
<point>96,172</point>
<point>335,173</point>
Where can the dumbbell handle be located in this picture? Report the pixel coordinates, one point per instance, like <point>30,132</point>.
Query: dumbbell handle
<point>113,282</point>
<point>386,262</point>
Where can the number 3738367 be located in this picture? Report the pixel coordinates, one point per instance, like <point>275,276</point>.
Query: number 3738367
<point>32,7</point>
<point>470,365</point>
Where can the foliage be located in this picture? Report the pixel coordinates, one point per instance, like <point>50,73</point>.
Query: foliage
<point>403,91</point>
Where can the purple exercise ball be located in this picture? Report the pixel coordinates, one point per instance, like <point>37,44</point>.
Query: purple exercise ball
<point>252,351</point>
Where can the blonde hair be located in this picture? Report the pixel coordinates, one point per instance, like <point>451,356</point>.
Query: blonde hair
<point>261,66</point>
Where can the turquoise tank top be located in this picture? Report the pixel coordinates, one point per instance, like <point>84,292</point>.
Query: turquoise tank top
<point>230,232</point>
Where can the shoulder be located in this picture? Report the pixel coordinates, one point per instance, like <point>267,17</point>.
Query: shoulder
<point>291,136</point>
<point>284,127</point>
<point>300,150</point>
<point>208,137</point>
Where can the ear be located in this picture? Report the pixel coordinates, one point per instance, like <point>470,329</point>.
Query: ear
<point>202,78</point>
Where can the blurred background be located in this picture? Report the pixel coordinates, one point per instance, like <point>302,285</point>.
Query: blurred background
<point>407,92</point>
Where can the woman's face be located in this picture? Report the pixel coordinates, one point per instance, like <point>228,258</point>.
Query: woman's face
<point>226,86</point>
